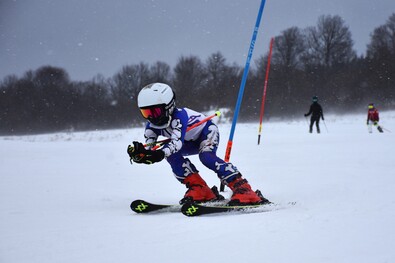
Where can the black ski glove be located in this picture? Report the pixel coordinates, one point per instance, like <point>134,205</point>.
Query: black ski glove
<point>305,115</point>
<point>139,154</point>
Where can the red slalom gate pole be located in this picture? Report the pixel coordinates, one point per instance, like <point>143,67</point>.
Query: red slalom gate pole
<point>264,91</point>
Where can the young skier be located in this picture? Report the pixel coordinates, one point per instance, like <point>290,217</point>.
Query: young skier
<point>316,113</point>
<point>373,118</point>
<point>157,105</point>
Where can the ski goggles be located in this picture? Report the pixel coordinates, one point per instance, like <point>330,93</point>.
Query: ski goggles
<point>153,112</point>
<point>370,106</point>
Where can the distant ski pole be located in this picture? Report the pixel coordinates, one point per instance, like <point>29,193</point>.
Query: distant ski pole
<point>325,126</point>
<point>306,121</point>
<point>385,129</point>
<point>264,91</point>
<point>242,85</point>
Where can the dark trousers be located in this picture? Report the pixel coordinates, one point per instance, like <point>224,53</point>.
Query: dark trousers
<point>317,123</point>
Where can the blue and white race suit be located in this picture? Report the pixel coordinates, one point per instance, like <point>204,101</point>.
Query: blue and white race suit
<point>202,140</point>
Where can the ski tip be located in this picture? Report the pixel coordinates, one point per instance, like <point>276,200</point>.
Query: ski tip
<point>138,206</point>
<point>190,209</point>
<point>137,202</point>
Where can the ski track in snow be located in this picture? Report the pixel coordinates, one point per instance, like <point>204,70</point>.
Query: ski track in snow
<point>65,197</point>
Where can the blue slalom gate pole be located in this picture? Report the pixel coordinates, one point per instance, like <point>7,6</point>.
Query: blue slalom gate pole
<point>242,85</point>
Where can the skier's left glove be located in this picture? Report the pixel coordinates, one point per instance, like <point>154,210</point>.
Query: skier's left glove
<point>139,154</point>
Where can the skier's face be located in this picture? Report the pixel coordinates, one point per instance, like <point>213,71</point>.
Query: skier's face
<point>152,112</point>
<point>155,114</point>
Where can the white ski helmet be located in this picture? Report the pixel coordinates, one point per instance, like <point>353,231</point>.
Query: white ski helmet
<point>157,102</point>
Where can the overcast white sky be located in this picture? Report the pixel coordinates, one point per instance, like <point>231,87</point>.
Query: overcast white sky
<point>88,37</point>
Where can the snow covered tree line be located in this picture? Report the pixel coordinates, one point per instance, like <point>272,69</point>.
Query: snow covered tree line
<point>317,60</point>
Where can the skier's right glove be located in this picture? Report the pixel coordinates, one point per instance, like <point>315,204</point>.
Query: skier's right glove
<point>305,115</point>
<point>139,154</point>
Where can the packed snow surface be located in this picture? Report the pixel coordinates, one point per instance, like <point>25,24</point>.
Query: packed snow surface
<point>65,198</point>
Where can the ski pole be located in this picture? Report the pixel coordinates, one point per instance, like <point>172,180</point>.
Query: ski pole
<point>385,129</point>
<point>307,122</point>
<point>325,126</point>
<point>305,117</point>
<point>217,113</point>
<point>162,142</point>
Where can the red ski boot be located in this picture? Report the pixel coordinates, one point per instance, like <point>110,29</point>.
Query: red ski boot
<point>198,191</point>
<point>243,194</point>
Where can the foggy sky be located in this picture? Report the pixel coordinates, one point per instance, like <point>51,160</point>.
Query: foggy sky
<point>91,37</point>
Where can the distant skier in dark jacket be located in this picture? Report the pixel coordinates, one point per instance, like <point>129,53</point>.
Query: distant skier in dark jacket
<point>373,118</point>
<point>316,113</point>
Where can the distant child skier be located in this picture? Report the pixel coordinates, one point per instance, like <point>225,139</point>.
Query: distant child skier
<point>373,118</point>
<point>157,105</point>
<point>316,113</point>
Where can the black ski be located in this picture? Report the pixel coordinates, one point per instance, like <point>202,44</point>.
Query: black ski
<point>144,207</point>
<point>194,209</point>
<point>201,209</point>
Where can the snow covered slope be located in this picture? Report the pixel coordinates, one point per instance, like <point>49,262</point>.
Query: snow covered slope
<point>65,198</point>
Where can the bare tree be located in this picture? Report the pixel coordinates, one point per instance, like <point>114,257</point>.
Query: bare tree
<point>381,62</point>
<point>288,48</point>
<point>125,87</point>
<point>160,72</point>
<point>130,80</point>
<point>382,43</point>
<point>286,71</point>
<point>189,78</point>
<point>218,86</point>
<point>52,84</point>
<point>329,43</point>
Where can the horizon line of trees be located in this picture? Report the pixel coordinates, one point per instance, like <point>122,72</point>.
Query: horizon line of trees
<point>318,60</point>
